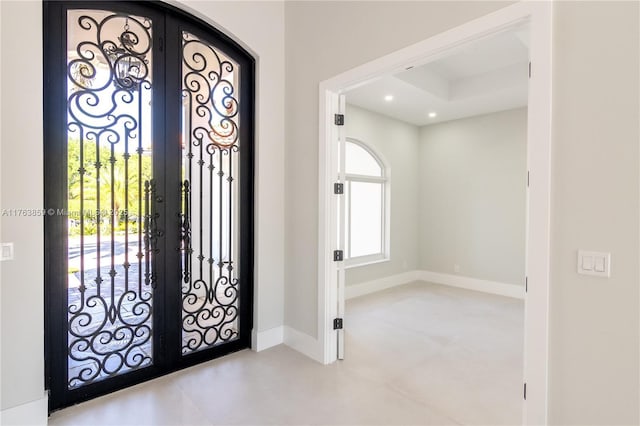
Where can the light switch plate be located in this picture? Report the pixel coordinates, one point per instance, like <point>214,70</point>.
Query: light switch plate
<point>587,263</point>
<point>6,251</point>
<point>594,263</point>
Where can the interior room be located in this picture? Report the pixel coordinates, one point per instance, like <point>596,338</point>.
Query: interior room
<point>167,184</point>
<point>435,249</point>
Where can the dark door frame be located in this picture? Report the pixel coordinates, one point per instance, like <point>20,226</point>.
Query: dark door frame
<point>168,21</point>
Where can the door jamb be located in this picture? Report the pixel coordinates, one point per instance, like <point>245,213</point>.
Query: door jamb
<point>539,15</point>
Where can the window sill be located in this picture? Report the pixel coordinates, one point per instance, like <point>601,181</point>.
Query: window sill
<point>357,264</point>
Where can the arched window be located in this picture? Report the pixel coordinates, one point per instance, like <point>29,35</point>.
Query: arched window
<point>366,205</point>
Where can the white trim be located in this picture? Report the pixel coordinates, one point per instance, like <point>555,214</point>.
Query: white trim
<point>32,413</point>
<point>539,15</point>
<point>339,145</point>
<point>327,269</point>
<point>458,281</point>
<point>261,340</point>
<point>536,346</point>
<point>485,286</point>
<point>380,284</point>
<point>375,259</point>
<point>364,178</point>
<point>303,343</point>
<point>367,259</point>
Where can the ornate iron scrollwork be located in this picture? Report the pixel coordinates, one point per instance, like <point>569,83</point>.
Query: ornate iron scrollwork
<point>109,306</point>
<point>210,291</point>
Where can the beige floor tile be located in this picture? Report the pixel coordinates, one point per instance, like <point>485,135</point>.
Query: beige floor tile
<point>418,354</point>
<point>158,402</point>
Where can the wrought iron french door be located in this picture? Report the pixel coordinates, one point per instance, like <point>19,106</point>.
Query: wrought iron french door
<point>149,188</point>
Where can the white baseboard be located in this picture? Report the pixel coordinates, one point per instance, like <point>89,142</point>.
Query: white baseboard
<point>361,289</point>
<point>485,286</point>
<point>32,413</point>
<point>261,340</point>
<point>493,287</point>
<point>303,343</point>
<point>312,348</point>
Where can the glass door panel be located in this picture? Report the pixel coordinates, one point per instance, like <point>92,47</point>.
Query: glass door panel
<point>109,195</point>
<point>149,154</point>
<point>210,164</point>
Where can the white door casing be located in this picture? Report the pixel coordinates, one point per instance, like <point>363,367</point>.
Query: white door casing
<point>331,275</point>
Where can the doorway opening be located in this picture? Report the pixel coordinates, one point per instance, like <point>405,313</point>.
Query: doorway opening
<point>149,152</point>
<point>332,274</point>
<point>454,132</point>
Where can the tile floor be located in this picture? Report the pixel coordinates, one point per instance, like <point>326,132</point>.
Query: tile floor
<point>419,354</point>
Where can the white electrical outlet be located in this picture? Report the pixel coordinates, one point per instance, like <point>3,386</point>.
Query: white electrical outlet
<point>594,263</point>
<point>456,268</point>
<point>6,251</point>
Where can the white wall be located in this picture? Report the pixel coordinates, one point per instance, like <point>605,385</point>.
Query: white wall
<point>22,309</point>
<point>472,175</point>
<point>595,183</point>
<point>458,194</point>
<point>324,39</point>
<point>260,27</point>
<point>594,375</point>
<point>397,143</point>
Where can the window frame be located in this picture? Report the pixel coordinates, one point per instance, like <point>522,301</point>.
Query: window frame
<point>384,255</point>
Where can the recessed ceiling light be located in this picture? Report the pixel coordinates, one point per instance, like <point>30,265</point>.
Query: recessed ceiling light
<point>432,115</point>
<point>388,98</point>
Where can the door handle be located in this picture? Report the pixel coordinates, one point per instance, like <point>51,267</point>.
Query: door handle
<point>151,231</point>
<point>185,232</point>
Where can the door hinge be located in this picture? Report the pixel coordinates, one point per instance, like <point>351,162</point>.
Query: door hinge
<point>337,324</point>
<point>161,44</point>
<point>525,391</point>
<point>526,284</point>
<point>338,188</point>
<point>529,69</point>
<point>339,119</point>
<point>338,255</point>
<point>527,178</point>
